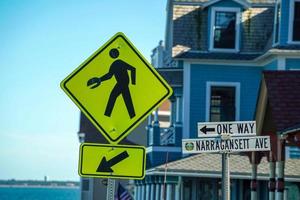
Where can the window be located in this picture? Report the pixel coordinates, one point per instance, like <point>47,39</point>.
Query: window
<point>294,152</point>
<point>222,101</point>
<point>277,22</point>
<point>187,189</point>
<point>224,32</point>
<point>222,104</point>
<point>294,25</point>
<point>224,29</point>
<point>206,189</point>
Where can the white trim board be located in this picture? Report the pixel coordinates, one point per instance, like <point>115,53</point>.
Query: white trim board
<point>260,61</point>
<point>163,149</point>
<point>281,63</point>
<point>186,100</point>
<point>237,86</point>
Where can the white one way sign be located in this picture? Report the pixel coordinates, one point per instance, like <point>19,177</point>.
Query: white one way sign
<point>237,128</point>
<point>234,144</point>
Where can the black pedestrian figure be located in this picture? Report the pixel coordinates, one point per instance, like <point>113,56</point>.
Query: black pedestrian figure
<point>118,69</point>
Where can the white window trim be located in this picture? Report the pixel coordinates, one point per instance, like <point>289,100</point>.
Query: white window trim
<point>186,100</point>
<point>279,24</point>
<point>237,86</point>
<point>212,32</point>
<point>291,24</point>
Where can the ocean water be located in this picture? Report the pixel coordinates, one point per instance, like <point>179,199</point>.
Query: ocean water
<point>28,193</point>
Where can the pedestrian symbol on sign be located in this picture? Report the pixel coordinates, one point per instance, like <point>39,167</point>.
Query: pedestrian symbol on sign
<point>116,88</point>
<point>118,69</point>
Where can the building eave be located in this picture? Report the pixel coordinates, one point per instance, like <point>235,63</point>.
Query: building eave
<point>278,52</point>
<point>258,61</point>
<point>203,174</point>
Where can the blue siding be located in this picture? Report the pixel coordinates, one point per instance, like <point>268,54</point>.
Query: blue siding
<point>249,78</point>
<point>284,29</point>
<point>271,66</point>
<point>180,63</point>
<point>156,158</point>
<point>292,63</point>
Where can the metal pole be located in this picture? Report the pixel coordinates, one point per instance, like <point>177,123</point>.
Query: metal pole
<point>272,180</point>
<point>254,181</point>
<point>225,177</point>
<point>110,193</point>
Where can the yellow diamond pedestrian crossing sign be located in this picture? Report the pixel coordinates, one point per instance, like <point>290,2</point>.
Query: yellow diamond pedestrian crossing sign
<point>112,161</point>
<point>116,88</point>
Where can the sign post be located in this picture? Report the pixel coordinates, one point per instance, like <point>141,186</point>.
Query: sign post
<point>225,170</point>
<point>110,192</point>
<point>225,176</point>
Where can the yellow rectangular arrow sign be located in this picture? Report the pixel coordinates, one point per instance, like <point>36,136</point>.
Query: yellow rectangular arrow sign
<point>112,161</point>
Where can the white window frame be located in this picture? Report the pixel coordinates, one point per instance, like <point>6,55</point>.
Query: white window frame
<point>279,23</point>
<point>291,22</point>
<point>212,29</point>
<point>237,86</point>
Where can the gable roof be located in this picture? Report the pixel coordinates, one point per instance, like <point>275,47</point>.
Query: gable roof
<point>283,95</point>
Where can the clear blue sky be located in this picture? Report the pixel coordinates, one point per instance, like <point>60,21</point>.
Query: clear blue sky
<point>41,42</point>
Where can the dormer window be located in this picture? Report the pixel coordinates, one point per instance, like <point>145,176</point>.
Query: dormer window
<point>224,30</point>
<point>294,25</point>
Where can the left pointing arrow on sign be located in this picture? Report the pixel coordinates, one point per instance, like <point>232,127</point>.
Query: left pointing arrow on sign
<point>105,166</point>
<point>204,129</point>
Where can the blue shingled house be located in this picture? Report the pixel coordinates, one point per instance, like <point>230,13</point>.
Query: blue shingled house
<point>214,55</point>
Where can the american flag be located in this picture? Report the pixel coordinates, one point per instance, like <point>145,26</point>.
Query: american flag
<point>122,193</point>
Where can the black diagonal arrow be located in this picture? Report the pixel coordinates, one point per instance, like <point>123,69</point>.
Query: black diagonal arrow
<point>205,130</point>
<point>105,166</point>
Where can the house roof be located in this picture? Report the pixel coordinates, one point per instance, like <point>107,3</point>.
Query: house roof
<point>283,96</point>
<point>209,165</point>
<point>190,35</point>
<point>174,76</point>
